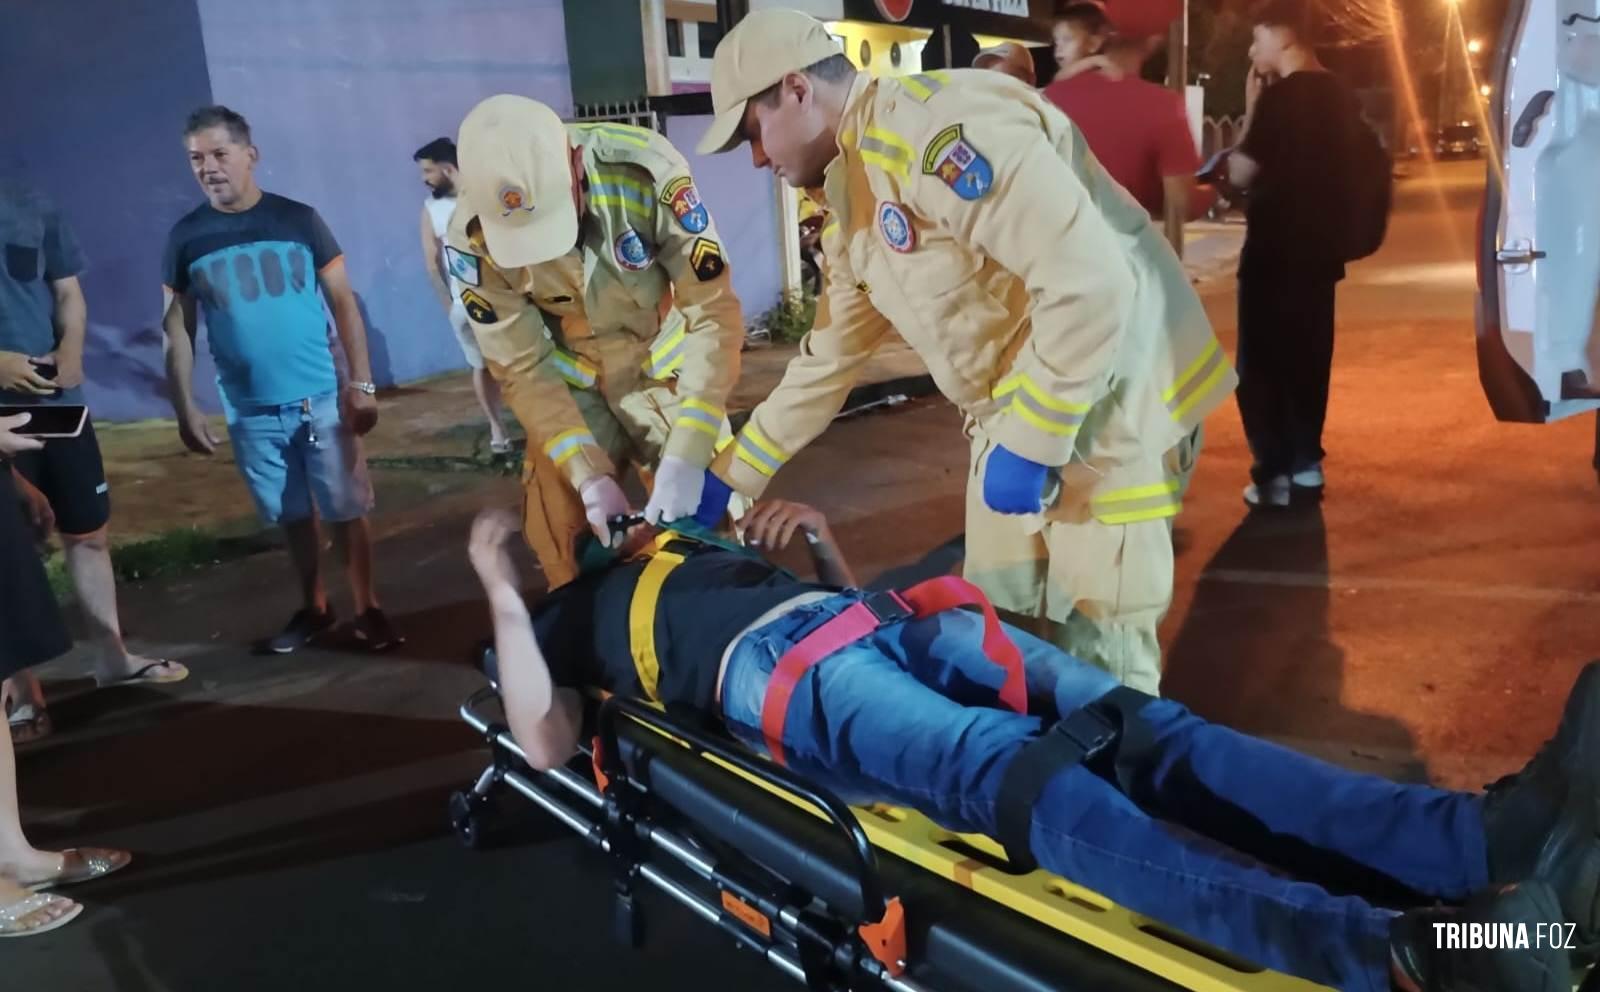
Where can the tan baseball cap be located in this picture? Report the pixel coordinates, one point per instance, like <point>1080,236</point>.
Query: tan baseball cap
<point>516,177</point>
<point>760,50</point>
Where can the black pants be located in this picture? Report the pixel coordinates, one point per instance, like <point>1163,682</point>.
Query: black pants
<point>31,627</point>
<point>1285,357</point>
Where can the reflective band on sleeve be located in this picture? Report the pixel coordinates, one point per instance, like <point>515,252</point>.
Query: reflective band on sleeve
<point>700,416</point>
<point>642,619</point>
<point>617,189</point>
<point>563,446</point>
<point>622,132</point>
<point>1039,408</point>
<point>668,355</point>
<point>575,370</point>
<point>1137,504</point>
<point>758,452</point>
<point>1196,381</point>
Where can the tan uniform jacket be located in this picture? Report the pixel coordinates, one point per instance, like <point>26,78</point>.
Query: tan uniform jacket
<point>967,212</point>
<point>645,295</point>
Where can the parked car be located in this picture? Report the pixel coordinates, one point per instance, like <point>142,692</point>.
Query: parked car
<point>1458,141</point>
<point>1539,233</point>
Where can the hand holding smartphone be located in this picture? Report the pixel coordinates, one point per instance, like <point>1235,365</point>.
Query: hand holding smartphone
<point>45,422</point>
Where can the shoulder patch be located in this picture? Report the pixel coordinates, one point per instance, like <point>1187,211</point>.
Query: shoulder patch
<point>959,165</point>
<point>478,308</point>
<point>464,267</point>
<point>705,257</point>
<point>896,227</point>
<point>631,251</point>
<point>683,200</point>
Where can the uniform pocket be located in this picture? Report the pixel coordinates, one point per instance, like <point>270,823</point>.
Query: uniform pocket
<point>22,262</point>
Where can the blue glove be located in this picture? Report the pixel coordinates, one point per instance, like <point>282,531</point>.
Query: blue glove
<point>713,501</point>
<point>1012,484</point>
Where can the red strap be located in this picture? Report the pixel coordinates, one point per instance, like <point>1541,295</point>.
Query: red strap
<point>924,599</point>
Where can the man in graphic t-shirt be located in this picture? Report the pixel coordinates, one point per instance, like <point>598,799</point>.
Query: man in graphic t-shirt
<point>253,262</point>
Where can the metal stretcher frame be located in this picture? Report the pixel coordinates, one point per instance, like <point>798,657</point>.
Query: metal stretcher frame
<point>823,891</point>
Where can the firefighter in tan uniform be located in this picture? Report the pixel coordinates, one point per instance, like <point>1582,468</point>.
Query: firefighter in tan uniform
<point>968,215</point>
<point>598,292</point>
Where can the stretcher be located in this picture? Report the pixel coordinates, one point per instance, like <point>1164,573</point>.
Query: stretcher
<point>837,897</point>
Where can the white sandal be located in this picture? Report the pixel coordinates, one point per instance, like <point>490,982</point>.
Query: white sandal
<point>12,916</point>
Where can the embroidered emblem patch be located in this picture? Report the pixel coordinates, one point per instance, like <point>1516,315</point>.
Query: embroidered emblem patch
<point>512,199</point>
<point>683,200</point>
<point>705,257</point>
<point>958,164</point>
<point>896,227</point>
<point>478,308</point>
<point>463,267</point>
<point>631,251</point>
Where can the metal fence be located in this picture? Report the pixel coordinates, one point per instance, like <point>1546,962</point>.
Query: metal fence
<point>1217,133</point>
<point>635,112</point>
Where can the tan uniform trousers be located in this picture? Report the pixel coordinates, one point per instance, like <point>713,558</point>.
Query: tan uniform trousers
<point>632,429</point>
<point>1098,591</point>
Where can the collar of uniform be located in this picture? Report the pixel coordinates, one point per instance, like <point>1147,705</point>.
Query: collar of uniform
<point>856,103</point>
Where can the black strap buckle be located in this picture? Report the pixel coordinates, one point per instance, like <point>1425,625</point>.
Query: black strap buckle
<point>1088,731</point>
<point>887,607</point>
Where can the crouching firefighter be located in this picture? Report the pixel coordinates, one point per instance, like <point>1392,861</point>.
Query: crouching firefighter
<point>599,294</point>
<point>925,699</point>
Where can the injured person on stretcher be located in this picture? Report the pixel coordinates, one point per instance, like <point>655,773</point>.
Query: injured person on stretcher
<point>911,700</point>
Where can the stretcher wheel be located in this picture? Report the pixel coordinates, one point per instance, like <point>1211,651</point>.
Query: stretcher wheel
<point>469,819</point>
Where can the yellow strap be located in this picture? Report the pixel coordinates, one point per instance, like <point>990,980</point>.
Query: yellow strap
<point>642,618</point>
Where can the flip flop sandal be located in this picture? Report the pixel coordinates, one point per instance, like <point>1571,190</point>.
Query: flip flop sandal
<point>148,676</point>
<point>82,864</point>
<point>12,916</point>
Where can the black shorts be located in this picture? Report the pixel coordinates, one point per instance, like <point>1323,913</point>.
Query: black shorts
<point>31,628</point>
<point>73,478</point>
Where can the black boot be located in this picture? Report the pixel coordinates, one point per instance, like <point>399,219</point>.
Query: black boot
<point>1544,822</point>
<point>1432,962</point>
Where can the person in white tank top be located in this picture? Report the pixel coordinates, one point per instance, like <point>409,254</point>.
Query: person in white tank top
<point>437,163</point>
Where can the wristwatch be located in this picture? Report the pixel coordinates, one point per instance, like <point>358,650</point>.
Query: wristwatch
<point>365,387</point>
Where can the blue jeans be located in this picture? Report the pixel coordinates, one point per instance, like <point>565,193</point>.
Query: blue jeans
<point>910,716</point>
<point>298,456</point>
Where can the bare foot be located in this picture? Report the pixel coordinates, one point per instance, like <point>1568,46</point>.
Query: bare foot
<point>23,912</point>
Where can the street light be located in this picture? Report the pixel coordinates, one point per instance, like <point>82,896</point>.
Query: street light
<point>1474,46</point>
<point>1483,90</point>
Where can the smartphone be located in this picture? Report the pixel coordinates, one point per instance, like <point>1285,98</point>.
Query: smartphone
<point>49,421</point>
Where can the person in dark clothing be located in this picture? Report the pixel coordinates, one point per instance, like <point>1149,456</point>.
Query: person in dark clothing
<point>904,698</point>
<point>1293,162</point>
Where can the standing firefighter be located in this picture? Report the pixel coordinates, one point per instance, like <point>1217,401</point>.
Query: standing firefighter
<point>971,218</point>
<point>598,290</point>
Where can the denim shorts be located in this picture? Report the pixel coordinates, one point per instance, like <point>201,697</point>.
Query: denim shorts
<point>298,455</point>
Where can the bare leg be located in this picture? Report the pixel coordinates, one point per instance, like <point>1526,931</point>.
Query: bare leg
<point>354,541</point>
<point>18,858</point>
<point>488,393</point>
<point>88,558</point>
<point>304,549</point>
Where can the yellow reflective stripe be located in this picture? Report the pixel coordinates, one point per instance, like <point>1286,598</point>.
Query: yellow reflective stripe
<point>1024,401</point>
<point>1050,427</point>
<point>642,619</point>
<point>1190,372</point>
<point>885,148</point>
<point>668,355</point>
<point>699,415</point>
<point>1007,386</point>
<point>895,166</point>
<point>1050,402</point>
<point>830,227</point>
<point>1138,492</point>
<point>725,440</point>
<point>575,370</point>
<point>1201,391</point>
<point>563,446</point>
<point>1139,516</point>
<point>924,84</point>
<point>758,452</point>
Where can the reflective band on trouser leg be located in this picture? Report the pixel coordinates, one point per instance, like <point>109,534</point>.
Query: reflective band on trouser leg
<point>1139,503</point>
<point>642,619</point>
<point>923,600</point>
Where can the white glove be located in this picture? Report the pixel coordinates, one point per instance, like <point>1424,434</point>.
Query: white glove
<point>677,491</point>
<point>602,500</point>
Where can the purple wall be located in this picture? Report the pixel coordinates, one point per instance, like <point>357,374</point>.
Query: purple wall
<point>743,201</point>
<point>98,92</point>
<point>339,94</point>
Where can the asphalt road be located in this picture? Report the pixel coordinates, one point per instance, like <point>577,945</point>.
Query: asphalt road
<point>287,814</point>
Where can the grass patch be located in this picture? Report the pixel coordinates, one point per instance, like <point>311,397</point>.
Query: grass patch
<point>180,550</point>
<point>791,318</point>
